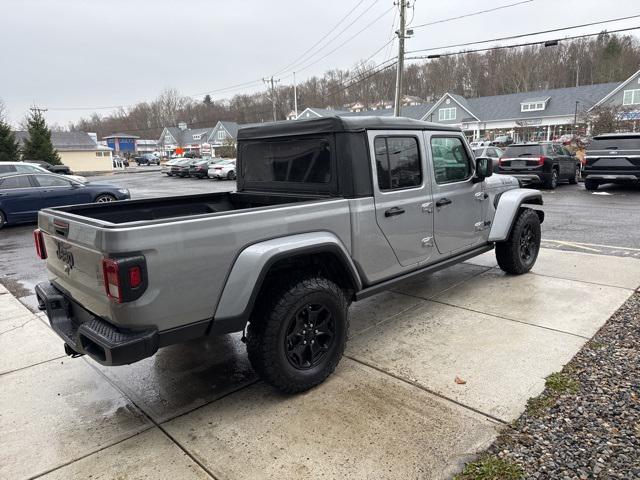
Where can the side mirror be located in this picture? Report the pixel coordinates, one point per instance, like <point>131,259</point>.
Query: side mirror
<point>484,168</point>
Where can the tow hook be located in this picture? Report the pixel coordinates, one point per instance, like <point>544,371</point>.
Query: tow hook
<point>71,352</point>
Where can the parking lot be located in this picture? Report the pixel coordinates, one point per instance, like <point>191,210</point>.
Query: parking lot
<point>433,371</point>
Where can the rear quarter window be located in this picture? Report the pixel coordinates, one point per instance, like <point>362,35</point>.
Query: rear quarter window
<point>14,182</point>
<point>300,160</point>
<point>7,168</point>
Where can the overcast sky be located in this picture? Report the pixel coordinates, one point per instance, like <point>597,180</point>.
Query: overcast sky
<point>96,53</point>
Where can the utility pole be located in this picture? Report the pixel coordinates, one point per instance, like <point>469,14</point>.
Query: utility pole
<point>35,109</point>
<point>295,95</point>
<point>271,81</point>
<point>401,33</point>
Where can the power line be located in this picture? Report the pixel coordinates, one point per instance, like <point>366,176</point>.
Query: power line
<point>323,37</point>
<point>548,43</point>
<point>512,37</point>
<point>378,69</point>
<point>346,41</point>
<point>472,14</point>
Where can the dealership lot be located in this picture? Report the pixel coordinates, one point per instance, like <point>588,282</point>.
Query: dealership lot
<point>392,410</point>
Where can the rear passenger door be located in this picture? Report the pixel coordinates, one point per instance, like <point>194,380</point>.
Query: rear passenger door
<point>19,199</point>
<point>402,194</point>
<point>458,201</point>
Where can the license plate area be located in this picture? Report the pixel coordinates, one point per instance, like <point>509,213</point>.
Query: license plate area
<point>518,163</point>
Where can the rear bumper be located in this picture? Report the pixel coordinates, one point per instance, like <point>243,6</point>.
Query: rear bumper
<point>527,177</point>
<point>90,335</point>
<point>611,176</point>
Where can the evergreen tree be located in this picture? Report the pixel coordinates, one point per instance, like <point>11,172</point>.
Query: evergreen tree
<point>8,144</point>
<point>207,99</point>
<point>38,146</point>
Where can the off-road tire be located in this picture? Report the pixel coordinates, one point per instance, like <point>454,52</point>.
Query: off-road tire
<point>511,254</point>
<point>267,334</point>
<point>591,184</point>
<point>576,176</point>
<point>552,182</point>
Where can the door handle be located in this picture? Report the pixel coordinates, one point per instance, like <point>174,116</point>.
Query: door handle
<point>443,201</point>
<point>394,211</point>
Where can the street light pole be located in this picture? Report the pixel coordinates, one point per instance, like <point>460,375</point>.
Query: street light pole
<point>401,35</point>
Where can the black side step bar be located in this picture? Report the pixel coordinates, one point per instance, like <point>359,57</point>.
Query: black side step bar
<point>387,284</point>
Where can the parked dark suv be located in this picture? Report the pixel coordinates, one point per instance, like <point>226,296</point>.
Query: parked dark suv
<point>147,159</point>
<point>612,158</point>
<point>542,163</point>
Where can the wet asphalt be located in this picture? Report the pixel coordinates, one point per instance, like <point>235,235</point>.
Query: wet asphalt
<point>605,222</point>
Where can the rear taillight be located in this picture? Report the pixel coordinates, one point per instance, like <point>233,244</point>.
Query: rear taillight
<point>38,239</point>
<point>500,160</point>
<point>112,285</point>
<point>124,278</point>
<point>541,161</point>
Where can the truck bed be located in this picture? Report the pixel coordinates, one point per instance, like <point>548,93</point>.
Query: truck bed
<point>166,208</point>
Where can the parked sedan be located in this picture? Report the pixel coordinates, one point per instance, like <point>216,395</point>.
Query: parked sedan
<point>181,169</point>
<point>176,169</point>
<point>22,195</point>
<point>32,167</point>
<point>224,170</point>
<point>540,163</point>
<point>200,168</point>
<point>166,167</point>
<point>494,153</point>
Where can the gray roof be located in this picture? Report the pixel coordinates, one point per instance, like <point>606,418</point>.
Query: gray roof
<point>562,101</point>
<point>231,127</point>
<point>65,141</point>
<point>185,137</point>
<point>120,135</point>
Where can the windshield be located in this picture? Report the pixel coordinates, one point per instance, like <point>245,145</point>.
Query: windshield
<point>478,151</point>
<point>615,143</point>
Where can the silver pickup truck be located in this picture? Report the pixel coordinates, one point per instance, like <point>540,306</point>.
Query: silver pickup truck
<point>326,212</point>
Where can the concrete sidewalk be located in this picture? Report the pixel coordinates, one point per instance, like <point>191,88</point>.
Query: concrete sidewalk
<point>393,409</point>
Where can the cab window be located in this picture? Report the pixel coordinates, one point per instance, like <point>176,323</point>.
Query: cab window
<point>397,163</point>
<point>450,160</point>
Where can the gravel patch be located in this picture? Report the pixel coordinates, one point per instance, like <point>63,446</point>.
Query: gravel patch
<point>586,424</point>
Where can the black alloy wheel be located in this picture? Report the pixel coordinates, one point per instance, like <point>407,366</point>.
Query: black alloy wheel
<point>310,335</point>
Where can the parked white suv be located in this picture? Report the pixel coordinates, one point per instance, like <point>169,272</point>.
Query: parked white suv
<point>26,167</point>
<point>223,170</point>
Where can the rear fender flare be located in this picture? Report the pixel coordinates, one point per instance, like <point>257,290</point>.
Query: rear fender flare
<point>252,265</point>
<point>509,204</point>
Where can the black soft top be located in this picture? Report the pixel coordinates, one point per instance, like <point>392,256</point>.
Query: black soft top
<point>335,124</point>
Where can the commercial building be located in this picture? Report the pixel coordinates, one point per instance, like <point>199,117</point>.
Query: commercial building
<point>77,150</point>
<point>536,115</point>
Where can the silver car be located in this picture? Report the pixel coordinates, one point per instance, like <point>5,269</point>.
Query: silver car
<point>494,153</point>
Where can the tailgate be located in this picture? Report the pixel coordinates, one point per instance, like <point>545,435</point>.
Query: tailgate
<point>618,161</point>
<point>74,260</point>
